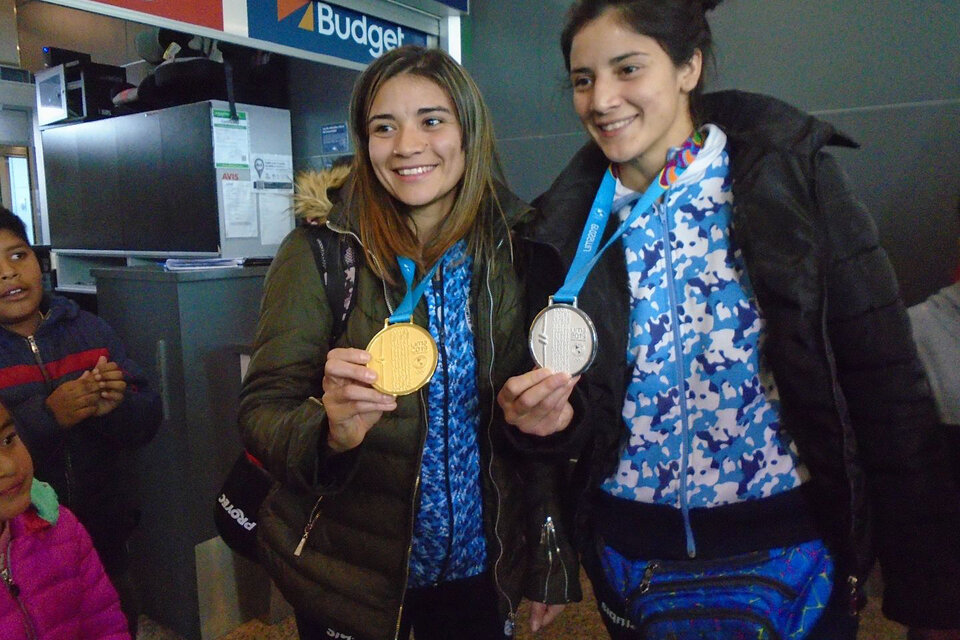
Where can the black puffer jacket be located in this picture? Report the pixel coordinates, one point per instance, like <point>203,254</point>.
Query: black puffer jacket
<point>853,394</point>
<point>336,530</point>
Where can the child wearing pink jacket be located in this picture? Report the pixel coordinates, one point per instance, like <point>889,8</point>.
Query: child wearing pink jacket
<point>52,585</point>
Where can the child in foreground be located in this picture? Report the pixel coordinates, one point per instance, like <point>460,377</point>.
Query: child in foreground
<point>53,583</point>
<point>80,404</point>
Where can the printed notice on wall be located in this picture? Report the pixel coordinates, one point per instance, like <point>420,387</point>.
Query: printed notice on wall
<point>239,209</point>
<point>272,172</point>
<point>272,177</point>
<point>334,138</point>
<point>231,139</point>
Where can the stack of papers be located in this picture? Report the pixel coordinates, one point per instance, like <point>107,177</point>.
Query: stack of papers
<point>190,264</point>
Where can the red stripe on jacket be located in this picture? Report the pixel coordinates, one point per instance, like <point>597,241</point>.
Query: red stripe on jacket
<point>30,373</point>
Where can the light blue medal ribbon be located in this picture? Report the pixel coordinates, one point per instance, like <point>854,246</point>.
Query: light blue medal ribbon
<point>562,336</point>
<point>408,268</point>
<point>588,253</point>
<point>404,355</point>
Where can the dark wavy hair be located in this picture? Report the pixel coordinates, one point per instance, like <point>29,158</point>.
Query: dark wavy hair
<point>679,26</point>
<point>9,221</point>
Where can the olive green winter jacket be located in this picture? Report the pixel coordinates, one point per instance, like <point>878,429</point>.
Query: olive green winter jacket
<point>352,514</point>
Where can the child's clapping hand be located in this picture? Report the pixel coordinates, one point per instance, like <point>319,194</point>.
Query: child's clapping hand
<point>95,393</point>
<point>109,378</point>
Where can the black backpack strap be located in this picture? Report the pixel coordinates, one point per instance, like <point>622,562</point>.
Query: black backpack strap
<point>337,263</point>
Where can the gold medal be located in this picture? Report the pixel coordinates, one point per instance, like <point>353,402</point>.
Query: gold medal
<point>404,357</point>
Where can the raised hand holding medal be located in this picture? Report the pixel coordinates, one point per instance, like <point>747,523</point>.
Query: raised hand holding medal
<point>403,354</point>
<point>562,336</point>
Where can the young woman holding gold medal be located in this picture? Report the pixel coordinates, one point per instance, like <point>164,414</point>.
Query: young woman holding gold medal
<point>398,503</point>
<point>759,427</point>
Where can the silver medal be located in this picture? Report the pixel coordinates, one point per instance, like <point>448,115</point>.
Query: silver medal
<point>563,339</point>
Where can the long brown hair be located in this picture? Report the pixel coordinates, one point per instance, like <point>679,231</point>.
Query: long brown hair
<point>383,229</point>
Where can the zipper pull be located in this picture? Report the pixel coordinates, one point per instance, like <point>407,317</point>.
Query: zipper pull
<point>303,541</point>
<point>35,349</point>
<point>548,538</point>
<point>854,583</point>
<point>8,580</point>
<point>647,578</point>
<point>314,514</point>
<point>509,625</point>
<point>543,529</point>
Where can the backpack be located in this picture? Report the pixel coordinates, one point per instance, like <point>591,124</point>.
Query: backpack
<point>247,483</point>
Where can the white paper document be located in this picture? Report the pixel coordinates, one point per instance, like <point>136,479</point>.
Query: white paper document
<point>239,209</point>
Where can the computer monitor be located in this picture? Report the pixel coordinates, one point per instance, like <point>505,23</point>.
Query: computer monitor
<point>53,56</point>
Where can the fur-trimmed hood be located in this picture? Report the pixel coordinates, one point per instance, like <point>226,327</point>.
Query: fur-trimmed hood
<point>315,193</point>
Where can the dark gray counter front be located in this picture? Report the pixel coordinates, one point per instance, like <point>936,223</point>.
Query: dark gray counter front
<point>183,329</point>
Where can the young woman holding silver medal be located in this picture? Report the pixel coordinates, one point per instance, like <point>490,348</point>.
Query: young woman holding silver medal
<point>399,504</point>
<point>759,428</point>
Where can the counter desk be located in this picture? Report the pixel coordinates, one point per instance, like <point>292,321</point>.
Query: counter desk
<point>183,328</point>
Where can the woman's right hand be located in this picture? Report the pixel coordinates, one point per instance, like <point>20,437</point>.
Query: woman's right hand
<point>352,405</point>
<point>538,402</point>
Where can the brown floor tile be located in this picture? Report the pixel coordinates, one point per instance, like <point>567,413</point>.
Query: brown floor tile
<point>579,621</point>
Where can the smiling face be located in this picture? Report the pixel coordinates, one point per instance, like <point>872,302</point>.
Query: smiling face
<point>16,470</point>
<point>21,285</point>
<point>416,146</point>
<point>630,97</point>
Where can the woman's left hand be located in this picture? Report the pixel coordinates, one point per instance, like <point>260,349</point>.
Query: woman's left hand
<point>538,402</point>
<point>543,614</point>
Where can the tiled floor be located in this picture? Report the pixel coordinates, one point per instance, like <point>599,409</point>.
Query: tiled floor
<point>578,622</point>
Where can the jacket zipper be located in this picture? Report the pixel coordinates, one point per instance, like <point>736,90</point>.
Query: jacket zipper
<point>853,581</point>
<point>681,383</point>
<point>36,356</point>
<point>442,347</point>
<point>6,574</point>
<point>413,515</point>
<point>510,623</point>
<point>549,540</point>
<point>67,462</point>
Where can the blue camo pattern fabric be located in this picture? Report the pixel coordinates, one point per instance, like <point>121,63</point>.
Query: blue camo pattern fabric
<point>451,452</point>
<point>700,404</point>
<point>788,588</point>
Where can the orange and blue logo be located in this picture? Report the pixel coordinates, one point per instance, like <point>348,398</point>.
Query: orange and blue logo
<point>326,28</point>
<point>285,9</point>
